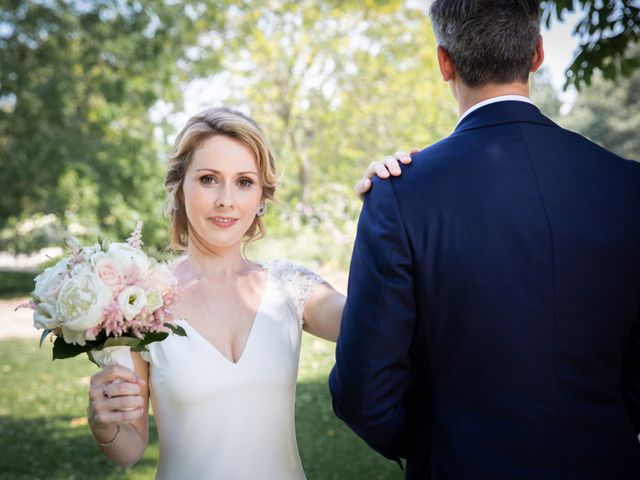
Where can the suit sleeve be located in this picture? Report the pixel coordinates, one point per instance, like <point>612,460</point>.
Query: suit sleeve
<point>631,375</point>
<point>373,371</point>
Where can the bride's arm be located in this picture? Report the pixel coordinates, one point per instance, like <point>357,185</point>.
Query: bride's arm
<point>323,308</point>
<point>118,411</point>
<point>323,311</point>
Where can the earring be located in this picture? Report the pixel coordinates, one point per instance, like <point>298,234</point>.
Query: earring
<point>261,210</point>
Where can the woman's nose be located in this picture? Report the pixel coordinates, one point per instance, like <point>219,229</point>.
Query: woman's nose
<point>224,198</point>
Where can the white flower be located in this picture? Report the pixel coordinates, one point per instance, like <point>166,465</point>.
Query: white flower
<point>74,336</point>
<point>154,300</point>
<point>132,300</point>
<point>80,305</point>
<point>90,252</point>
<point>48,282</point>
<point>126,256</point>
<point>44,316</point>
<point>161,279</point>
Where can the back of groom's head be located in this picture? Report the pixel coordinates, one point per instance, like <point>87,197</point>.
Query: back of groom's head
<point>489,41</point>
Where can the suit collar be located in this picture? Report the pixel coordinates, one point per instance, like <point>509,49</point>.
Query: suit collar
<point>501,113</point>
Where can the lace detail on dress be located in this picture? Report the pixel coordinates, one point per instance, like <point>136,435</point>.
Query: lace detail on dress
<point>297,282</point>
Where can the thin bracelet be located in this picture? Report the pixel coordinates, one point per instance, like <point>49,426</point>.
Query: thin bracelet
<point>106,444</point>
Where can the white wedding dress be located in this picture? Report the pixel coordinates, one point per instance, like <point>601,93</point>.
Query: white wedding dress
<point>221,420</point>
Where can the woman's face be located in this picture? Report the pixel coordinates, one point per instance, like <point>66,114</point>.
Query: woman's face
<point>222,191</point>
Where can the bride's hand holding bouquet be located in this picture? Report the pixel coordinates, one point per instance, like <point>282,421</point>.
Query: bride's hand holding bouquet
<point>108,300</point>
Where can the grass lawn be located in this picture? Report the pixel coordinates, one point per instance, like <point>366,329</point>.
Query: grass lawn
<point>44,435</point>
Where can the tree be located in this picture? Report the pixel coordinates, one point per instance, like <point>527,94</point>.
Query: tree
<point>544,94</point>
<point>608,113</point>
<point>335,85</point>
<point>608,29</point>
<point>77,82</point>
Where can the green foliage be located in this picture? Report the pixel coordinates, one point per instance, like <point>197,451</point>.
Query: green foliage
<point>336,84</point>
<point>335,87</point>
<point>15,283</point>
<point>43,430</point>
<point>608,113</point>
<point>77,82</point>
<point>608,30</point>
<point>544,95</point>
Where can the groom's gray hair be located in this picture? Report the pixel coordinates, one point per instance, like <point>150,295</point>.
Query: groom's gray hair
<point>489,41</point>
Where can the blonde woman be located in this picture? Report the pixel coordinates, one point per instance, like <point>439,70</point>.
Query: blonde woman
<point>223,397</point>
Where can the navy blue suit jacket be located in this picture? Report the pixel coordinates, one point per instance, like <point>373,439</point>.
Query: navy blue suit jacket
<point>492,326</point>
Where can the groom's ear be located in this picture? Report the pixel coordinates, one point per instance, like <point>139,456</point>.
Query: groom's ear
<point>538,55</point>
<point>447,68</point>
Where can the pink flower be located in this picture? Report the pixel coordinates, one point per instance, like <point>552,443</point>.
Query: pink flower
<point>107,270</point>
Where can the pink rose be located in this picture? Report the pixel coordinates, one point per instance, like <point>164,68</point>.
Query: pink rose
<point>107,271</point>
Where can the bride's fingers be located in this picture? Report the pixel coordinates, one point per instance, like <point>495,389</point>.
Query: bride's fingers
<point>113,373</point>
<point>119,389</point>
<point>377,168</point>
<point>100,391</point>
<point>109,417</point>
<point>125,403</point>
<point>118,372</point>
<point>101,406</point>
<point>403,157</point>
<point>363,186</point>
<point>392,165</point>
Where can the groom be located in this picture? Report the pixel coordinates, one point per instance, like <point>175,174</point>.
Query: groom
<point>492,327</point>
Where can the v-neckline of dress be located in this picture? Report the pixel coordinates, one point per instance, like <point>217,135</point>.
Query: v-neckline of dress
<point>249,335</point>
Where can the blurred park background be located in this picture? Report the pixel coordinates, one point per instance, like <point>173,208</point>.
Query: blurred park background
<point>93,92</point>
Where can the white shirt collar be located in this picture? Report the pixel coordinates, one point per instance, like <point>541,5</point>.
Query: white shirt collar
<point>488,101</point>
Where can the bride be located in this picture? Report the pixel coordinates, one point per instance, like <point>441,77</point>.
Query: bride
<point>223,396</point>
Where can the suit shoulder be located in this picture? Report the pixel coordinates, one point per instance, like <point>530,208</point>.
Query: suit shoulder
<point>599,149</point>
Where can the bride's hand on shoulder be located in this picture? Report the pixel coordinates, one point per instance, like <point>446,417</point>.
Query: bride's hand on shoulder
<point>115,397</point>
<point>389,166</point>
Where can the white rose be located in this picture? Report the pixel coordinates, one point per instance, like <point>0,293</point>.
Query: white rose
<point>126,256</point>
<point>44,316</point>
<point>161,279</point>
<point>80,305</point>
<point>131,300</point>
<point>48,282</point>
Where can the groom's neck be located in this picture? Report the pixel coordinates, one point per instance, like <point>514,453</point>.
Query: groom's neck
<point>467,97</point>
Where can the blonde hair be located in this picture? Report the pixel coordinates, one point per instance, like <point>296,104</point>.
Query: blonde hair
<point>202,126</point>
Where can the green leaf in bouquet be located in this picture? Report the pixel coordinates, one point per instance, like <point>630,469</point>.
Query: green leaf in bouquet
<point>176,329</point>
<point>121,341</point>
<point>149,338</point>
<point>44,335</point>
<point>62,349</point>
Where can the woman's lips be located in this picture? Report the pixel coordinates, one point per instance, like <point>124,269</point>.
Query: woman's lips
<point>223,222</point>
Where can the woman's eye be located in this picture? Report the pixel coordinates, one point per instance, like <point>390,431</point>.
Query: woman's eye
<point>245,182</point>
<point>207,179</point>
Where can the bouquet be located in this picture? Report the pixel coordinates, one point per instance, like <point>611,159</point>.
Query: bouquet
<point>105,300</point>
